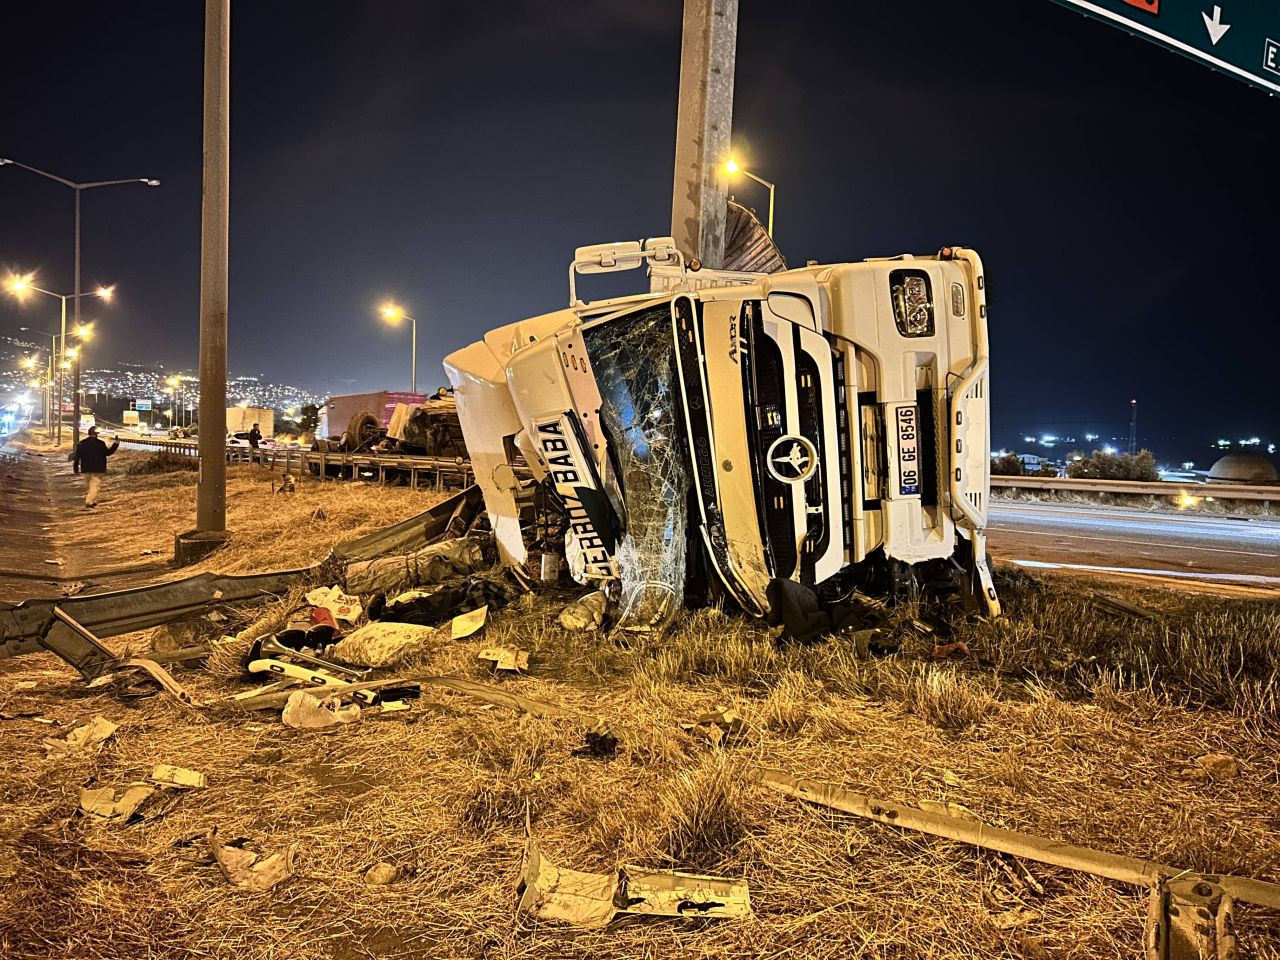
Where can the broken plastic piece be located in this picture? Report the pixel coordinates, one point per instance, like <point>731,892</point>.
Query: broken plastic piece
<point>505,658</point>
<point>249,870</point>
<point>306,712</point>
<point>718,726</point>
<point>111,804</point>
<point>467,624</point>
<point>168,775</point>
<point>81,739</point>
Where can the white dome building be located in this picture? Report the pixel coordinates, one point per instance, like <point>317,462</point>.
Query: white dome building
<point>1244,468</point>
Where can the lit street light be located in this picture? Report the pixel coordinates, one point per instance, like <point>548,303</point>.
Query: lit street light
<point>78,188</point>
<point>21,287</point>
<point>393,315</point>
<point>731,167</point>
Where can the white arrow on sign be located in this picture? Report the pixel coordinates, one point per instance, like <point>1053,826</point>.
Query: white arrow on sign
<point>1215,26</point>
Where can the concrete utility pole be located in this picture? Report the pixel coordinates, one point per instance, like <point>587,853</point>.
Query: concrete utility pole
<point>1133,427</point>
<point>704,125</point>
<point>211,493</point>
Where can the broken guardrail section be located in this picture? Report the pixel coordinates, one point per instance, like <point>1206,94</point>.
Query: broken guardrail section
<point>1189,916</point>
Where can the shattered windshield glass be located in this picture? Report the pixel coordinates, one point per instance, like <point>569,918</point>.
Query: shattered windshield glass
<point>633,358</point>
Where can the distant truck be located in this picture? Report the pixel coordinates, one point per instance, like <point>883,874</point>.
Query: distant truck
<point>826,426</point>
<point>240,420</point>
<point>338,411</point>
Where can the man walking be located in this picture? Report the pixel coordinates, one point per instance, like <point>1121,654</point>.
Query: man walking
<point>255,438</point>
<point>91,458</point>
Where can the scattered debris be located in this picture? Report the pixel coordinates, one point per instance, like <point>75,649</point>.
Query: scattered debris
<point>943,650</point>
<point>168,775</point>
<point>149,553</point>
<point>511,659</point>
<point>394,706</point>
<point>303,711</point>
<point>381,874</point>
<point>1115,605</point>
<point>805,618</point>
<point>585,613</point>
<point>872,642</point>
<point>273,648</point>
<point>81,739</point>
<point>718,726</point>
<point>112,804</point>
<point>432,564</point>
<point>439,604</point>
<point>341,605</point>
<point>381,644</point>
<point>54,563</point>
<point>249,870</point>
<point>467,624</point>
<point>593,900</point>
<point>601,743</point>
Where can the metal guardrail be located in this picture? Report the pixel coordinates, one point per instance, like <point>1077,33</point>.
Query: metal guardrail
<point>25,626</point>
<point>439,472</point>
<point>442,470</point>
<point>1160,488</point>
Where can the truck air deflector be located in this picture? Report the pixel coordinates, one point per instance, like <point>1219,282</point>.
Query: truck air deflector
<point>687,334</point>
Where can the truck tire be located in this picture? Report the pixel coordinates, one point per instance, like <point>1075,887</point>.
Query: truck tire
<point>363,431</point>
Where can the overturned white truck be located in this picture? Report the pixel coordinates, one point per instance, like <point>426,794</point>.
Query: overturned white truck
<point>727,430</point>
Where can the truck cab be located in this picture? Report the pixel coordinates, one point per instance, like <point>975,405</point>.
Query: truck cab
<point>825,425</point>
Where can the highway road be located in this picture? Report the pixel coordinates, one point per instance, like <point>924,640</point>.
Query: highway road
<point>1190,546</point>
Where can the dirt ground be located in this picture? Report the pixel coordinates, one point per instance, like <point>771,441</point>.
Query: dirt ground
<point>1150,735</point>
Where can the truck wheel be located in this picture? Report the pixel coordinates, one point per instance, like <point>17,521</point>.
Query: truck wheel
<point>363,431</point>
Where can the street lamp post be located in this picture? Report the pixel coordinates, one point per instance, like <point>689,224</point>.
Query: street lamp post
<point>29,363</point>
<point>20,287</point>
<point>732,167</point>
<point>393,314</point>
<point>78,188</point>
<point>48,388</point>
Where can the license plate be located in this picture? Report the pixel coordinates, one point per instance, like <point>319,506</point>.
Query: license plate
<point>908,421</point>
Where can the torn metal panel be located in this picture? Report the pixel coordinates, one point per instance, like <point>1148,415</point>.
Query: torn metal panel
<point>508,659</point>
<point>670,893</point>
<point>552,892</point>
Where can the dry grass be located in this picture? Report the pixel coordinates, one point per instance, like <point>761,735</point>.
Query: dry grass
<point>162,461</point>
<point>270,531</point>
<point>1064,722</point>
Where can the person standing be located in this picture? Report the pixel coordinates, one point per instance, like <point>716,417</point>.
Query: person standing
<point>255,438</point>
<point>91,459</point>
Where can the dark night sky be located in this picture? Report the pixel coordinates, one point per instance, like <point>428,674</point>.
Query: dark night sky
<point>1124,198</point>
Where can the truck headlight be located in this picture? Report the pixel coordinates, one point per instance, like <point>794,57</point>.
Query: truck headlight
<point>912,302</point>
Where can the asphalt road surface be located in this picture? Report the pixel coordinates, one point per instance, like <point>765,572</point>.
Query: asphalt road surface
<point>1246,550</point>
